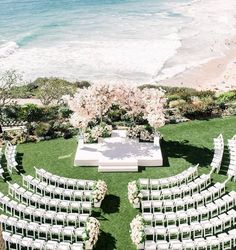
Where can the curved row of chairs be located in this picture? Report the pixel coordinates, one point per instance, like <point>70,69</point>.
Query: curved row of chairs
<point>190,188</point>
<point>187,202</point>
<point>41,231</point>
<point>216,242</point>
<point>66,183</point>
<point>15,241</point>
<point>45,189</point>
<point>232,154</point>
<point>10,155</point>
<point>194,230</point>
<point>39,201</point>
<point>200,213</point>
<point>188,211</point>
<point>184,177</point>
<point>40,215</point>
<point>1,168</point>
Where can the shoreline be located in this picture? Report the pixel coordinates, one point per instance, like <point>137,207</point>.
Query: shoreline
<point>218,74</point>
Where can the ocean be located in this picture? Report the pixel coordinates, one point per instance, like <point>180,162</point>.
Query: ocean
<point>113,41</point>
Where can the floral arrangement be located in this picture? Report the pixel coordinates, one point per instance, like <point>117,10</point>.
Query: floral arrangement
<point>91,135</point>
<point>91,232</point>
<point>141,132</point>
<point>137,230</point>
<point>146,135</point>
<point>99,191</point>
<point>134,194</point>
<point>134,132</point>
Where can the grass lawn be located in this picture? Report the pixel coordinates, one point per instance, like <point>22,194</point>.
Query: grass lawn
<point>183,145</point>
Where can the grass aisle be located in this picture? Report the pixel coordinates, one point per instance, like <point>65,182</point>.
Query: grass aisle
<point>183,145</point>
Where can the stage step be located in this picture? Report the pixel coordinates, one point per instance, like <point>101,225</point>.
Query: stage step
<point>118,168</point>
<point>119,163</point>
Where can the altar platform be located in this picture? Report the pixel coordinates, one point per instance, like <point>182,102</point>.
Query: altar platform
<point>119,154</point>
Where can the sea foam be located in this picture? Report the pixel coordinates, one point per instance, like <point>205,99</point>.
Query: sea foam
<point>7,49</point>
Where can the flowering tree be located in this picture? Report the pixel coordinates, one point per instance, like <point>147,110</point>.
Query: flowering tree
<point>83,109</point>
<point>130,99</point>
<point>102,99</point>
<point>154,100</point>
<point>94,102</point>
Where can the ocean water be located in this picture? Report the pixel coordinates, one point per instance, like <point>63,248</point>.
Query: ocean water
<point>114,41</point>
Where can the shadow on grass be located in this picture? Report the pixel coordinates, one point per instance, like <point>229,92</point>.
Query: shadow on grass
<point>105,242</point>
<point>189,152</point>
<point>19,159</point>
<point>225,162</point>
<point>98,215</point>
<point>110,204</point>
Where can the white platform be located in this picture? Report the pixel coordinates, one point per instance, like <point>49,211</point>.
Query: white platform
<point>119,154</point>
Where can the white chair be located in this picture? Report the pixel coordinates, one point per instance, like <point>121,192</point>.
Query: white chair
<point>26,243</point>
<point>213,243</point>
<point>77,246</point>
<point>225,241</point>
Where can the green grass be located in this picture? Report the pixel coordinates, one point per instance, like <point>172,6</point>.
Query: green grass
<point>183,145</point>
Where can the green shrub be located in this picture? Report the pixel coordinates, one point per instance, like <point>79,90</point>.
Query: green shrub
<point>82,84</point>
<point>227,97</point>
<point>177,103</point>
<point>173,97</point>
<point>42,129</point>
<point>64,111</point>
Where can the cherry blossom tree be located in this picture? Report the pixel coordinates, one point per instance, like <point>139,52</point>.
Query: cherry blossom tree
<point>154,100</point>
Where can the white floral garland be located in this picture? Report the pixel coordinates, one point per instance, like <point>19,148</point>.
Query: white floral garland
<point>99,191</point>
<point>137,230</point>
<point>91,232</point>
<point>134,194</point>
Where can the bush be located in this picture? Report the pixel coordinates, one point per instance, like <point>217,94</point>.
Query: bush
<point>227,97</point>
<point>65,112</point>
<point>42,129</point>
<point>82,84</point>
<point>177,103</point>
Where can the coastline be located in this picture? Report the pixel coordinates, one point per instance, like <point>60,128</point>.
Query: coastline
<point>218,74</point>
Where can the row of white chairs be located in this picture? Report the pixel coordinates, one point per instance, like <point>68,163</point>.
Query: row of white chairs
<point>45,189</point>
<point>1,168</point>
<point>222,241</point>
<point>218,153</point>
<point>10,154</point>
<point>182,178</point>
<point>16,242</point>
<point>196,230</point>
<point>41,231</point>
<point>66,183</point>
<point>187,202</point>
<point>188,189</point>
<point>200,213</point>
<point>232,153</point>
<point>40,215</point>
<point>45,202</point>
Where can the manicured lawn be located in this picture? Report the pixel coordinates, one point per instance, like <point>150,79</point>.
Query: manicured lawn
<point>184,144</point>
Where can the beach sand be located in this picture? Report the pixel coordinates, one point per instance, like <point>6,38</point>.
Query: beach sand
<point>218,74</point>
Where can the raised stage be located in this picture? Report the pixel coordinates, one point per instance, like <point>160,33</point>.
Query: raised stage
<point>119,154</point>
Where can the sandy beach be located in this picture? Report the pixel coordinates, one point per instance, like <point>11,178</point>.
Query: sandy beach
<point>218,74</point>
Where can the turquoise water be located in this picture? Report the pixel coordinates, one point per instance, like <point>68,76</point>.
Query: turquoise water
<point>120,40</point>
<point>28,22</point>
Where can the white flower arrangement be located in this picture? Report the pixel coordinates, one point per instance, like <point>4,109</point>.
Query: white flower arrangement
<point>134,194</point>
<point>137,230</point>
<point>91,232</point>
<point>99,191</point>
<point>92,134</point>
